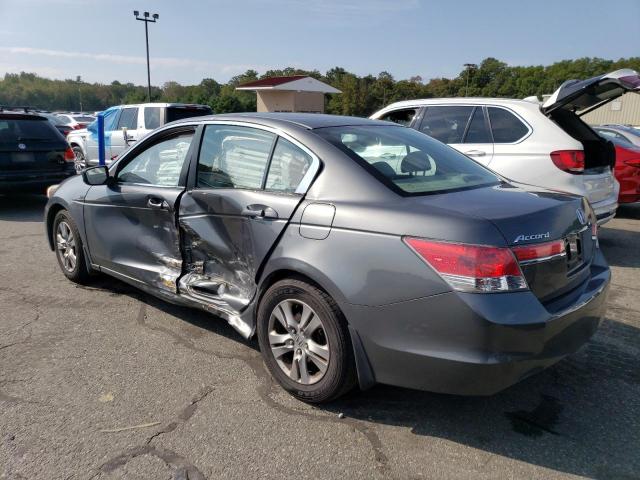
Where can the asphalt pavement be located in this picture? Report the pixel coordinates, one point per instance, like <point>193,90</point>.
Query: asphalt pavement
<point>106,382</point>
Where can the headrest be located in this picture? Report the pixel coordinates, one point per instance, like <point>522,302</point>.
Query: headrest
<point>415,162</point>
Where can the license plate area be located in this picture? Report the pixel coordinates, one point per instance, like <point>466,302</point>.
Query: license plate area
<point>573,249</point>
<point>23,157</point>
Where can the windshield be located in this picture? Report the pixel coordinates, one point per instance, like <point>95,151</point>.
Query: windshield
<point>407,161</point>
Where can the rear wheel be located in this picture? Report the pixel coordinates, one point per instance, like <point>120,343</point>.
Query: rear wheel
<point>68,245</point>
<point>304,341</point>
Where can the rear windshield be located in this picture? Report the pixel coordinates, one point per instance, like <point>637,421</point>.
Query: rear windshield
<point>178,113</point>
<point>83,118</point>
<point>12,130</point>
<point>407,161</point>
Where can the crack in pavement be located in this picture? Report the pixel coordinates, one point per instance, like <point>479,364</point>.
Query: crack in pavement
<point>267,389</point>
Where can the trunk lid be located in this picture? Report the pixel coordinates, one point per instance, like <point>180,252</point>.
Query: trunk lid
<point>529,215</point>
<point>586,95</point>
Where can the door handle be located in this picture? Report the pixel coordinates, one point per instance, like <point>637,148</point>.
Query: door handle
<point>157,203</point>
<point>259,211</point>
<point>475,153</point>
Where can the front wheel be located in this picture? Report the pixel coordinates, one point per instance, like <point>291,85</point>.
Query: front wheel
<point>68,245</point>
<point>80,162</point>
<point>305,342</point>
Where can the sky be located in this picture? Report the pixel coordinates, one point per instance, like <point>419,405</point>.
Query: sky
<point>101,41</point>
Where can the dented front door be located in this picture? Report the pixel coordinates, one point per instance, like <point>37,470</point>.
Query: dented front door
<point>131,223</point>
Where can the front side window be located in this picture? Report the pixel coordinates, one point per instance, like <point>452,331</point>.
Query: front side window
<point>288,166</point>
<point>128,119</point>
<point>407,161</point>
<point>446,123</point>
<point>402,117</point>
<point>505,126</point>
<point>160,164</point>
<point>151,117</point>
<point>233,157</point>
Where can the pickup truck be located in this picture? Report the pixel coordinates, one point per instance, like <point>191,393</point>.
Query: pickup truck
<point>124,125</point>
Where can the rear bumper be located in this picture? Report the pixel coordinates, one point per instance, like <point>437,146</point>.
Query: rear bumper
<point>32,181</point>
<point>605,210</point>
<point>477,344</point>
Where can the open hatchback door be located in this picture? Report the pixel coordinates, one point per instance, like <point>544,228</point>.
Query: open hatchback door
<point>582,96</point>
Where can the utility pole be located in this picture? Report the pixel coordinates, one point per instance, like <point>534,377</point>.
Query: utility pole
<point>154,18</point>
<point>79,80</point>
<point>469,66</point>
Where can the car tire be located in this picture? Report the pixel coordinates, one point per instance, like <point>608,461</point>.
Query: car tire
<point>68,246</point>
<point>316,331</point>
<point>80,162</point>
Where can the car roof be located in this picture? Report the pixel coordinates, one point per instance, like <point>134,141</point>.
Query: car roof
<point>154,104</point>
<point>9,114</point>
<point>309,121</point>
<point>461,101</point>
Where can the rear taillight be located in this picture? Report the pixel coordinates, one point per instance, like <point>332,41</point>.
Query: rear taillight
<point>539,251</point>
<point>471,268</point>
<point>571,161</point>
<point>633,162</point>
<point>77,126</point>
<point>69,156</point>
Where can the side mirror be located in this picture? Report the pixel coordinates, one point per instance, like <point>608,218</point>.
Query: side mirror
<point>96,175</point>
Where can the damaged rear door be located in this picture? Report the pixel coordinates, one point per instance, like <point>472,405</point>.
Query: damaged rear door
<point>131,221</point>
<point>247,184</point>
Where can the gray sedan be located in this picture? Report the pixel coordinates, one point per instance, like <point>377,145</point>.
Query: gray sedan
<point>357,251</point>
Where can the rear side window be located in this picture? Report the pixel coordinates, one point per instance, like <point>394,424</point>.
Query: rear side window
<point>233,157</point>
<point>446,123</point>
<point>505,126</point>
<point>288,166</point>
<point>478,131</point>
<point>151,117</point>
<point>402,117</point>
<point>406,161</point>
<point>178,113</point>
<point>128,119</point>
<point>12,130</point>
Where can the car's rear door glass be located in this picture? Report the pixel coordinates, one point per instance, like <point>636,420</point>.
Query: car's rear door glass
<point>505,126</point>
<point>289,164</point>
<point>233,157</point>
<point>151,117</point>
<point>407,161</point>
<point>446,123</point>
<point>478,131</point>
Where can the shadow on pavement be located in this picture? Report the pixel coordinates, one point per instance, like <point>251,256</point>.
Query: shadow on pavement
<point>22,208</point>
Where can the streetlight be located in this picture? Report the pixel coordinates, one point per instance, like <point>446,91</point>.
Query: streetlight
<point>146,21</point>
<point>469,66</point>
<point>79,82</point>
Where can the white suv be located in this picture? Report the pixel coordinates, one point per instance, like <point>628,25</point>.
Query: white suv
<point>548,145</point>
<point>125,124</point>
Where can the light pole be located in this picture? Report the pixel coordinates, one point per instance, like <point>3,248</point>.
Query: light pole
<point>154,18</point>
<point>469,66</point>
<point>79,81</point>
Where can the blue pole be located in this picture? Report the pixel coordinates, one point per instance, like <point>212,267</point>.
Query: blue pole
<point>101,160</point>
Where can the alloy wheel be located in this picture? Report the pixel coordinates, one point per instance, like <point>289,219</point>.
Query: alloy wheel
<point>298,341</point>
<point>66,245</point>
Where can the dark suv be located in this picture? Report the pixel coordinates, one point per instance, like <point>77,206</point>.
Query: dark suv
<point>33,153</point>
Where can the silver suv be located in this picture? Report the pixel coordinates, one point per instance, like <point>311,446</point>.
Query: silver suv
<point>546,145</point>
<point>126,124</point>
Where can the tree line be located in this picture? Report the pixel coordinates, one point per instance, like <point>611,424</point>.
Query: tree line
<point>361,95</point>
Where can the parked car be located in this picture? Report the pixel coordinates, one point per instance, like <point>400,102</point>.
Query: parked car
<point>76,121</point>
<point>627,169</point>
<point>124,125</point>
<point>356,250</point>
<point>33,153</point>
<point>546,145</point>
<point>57,122</point>
<point>621,132</point>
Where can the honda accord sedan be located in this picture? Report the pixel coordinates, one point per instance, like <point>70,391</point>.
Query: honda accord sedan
<point>357,251</point>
